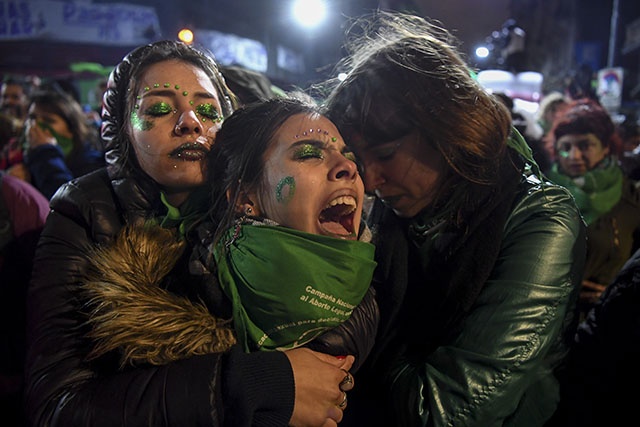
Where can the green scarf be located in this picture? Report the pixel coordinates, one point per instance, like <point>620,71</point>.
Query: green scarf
<point>596,192</point>
<point>65,144</point>
<point>287,286</point>
<point>181,218</point>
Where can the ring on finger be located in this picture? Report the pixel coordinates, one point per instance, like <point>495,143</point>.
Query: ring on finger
<point>343,404</point>
<point>347,382</point>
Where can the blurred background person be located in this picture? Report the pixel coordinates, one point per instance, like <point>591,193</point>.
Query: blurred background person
<point>14,97</point>
<point>10,149</point>
<point>23,211</point>
<point>248,85</point>
<point>526,124</point>
<point>586,147</point>
<point>629,132</point>
<point>59,143</point>
<point>549,107</point>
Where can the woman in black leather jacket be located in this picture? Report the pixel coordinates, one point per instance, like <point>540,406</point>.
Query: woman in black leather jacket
<point>162,108</point>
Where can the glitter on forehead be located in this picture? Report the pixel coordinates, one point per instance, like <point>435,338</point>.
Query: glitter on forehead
<point>317,131</point>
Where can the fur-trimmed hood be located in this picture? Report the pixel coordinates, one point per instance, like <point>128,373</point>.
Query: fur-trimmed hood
<point>130,312</point>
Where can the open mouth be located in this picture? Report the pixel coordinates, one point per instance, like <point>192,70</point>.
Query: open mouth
<point>337,218</point>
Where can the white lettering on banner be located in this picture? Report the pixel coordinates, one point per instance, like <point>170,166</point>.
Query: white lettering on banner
<point>115,24</point>
<point>15,19</point>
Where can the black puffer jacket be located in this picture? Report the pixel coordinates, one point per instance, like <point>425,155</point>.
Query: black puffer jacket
<point>63,388</point>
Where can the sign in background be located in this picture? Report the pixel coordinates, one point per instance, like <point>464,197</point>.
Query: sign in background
<point>610,88</point>
<point>78,21</point>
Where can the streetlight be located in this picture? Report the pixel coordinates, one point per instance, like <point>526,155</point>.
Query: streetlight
<point>309,13</point>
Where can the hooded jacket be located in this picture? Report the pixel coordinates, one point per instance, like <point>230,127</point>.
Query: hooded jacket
<point>64,385</point>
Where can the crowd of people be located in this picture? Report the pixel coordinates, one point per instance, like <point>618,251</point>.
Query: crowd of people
<point>388,252</point>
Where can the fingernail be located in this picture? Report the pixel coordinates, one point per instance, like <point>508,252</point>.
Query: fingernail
<point>341,357</point>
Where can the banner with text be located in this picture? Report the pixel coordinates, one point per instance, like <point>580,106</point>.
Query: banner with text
<point>78,21</point>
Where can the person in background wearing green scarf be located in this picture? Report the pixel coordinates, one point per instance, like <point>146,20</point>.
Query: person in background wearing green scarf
<point>59,142</point>
<point>291,251</point>
<point>585,147</point>
<point>479,259</point>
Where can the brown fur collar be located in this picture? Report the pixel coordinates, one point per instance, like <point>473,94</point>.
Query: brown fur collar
<point>131,313</point>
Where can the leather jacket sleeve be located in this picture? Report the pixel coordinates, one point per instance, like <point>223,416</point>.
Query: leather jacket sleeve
<point>63,388</point>
<point>355,336</point>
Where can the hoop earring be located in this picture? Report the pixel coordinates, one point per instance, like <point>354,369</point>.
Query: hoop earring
<point>248,211</point>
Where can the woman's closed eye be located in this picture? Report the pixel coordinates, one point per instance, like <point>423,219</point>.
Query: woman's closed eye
<point>209,111</point>
<point>308,151</point>
<point>159,109</point>
<point>384,151</point>
<point>349,155</point>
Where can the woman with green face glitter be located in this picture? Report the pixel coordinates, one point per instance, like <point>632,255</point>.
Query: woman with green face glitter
<point>120,332</point>
<point>291,250</point>
<point>60,144</point>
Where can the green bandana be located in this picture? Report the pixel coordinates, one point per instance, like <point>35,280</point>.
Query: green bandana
<point>596,192</point>
<point>65,144</point>
<point>181,218</point>
<point>288,286</point>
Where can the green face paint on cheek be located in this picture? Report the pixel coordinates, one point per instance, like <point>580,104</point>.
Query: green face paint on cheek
<point>285,189</point>
<point>138,124</point>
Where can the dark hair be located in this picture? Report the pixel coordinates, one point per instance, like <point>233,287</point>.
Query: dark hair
<point>120,96</point>
<point>248,85</point>
<point>8,129</point>
<point>24,83</point>
<point>407,70</point>
<point>236,161</point>
<point>63,105</point>
<point>585,116</point>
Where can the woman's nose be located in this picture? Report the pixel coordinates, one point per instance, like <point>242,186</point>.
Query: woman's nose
<point>188,123</point>
<point>575,152</point>
<point>344,169</point>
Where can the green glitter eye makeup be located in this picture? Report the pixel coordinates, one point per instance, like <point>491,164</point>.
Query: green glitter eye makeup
<point>349,156</point>
<point>204,111</point>
<point>159,109</point>
<point>307,151</point>
<point>209,111</point>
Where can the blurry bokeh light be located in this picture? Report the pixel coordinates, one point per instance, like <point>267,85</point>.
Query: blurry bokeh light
<point>482,52</point>
<point>309,13</point>
<point>185,35</point>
